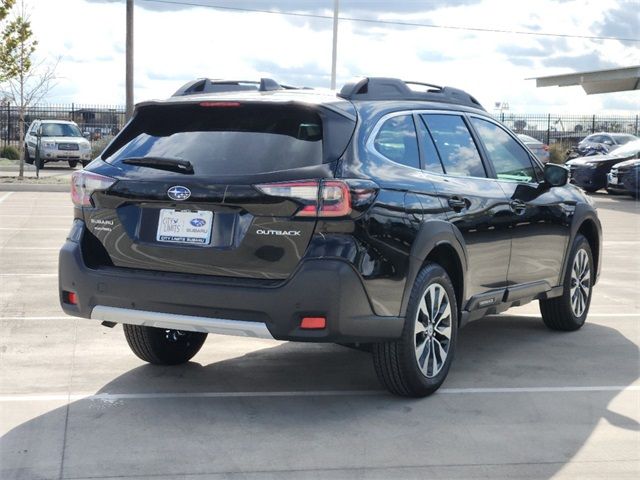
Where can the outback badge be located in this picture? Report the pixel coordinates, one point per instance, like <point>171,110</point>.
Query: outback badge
<point>179,193</point>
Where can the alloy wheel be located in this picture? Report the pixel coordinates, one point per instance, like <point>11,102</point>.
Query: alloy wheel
<point>432,331</point>
<point>580,282</point>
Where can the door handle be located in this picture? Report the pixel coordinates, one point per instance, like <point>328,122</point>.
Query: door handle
<point>518,206</point>
<point>457,203</point>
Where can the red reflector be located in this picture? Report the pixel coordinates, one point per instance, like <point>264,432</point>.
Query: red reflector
<point>313,323</point>
<point>70,297</point>
<point>219,104</point>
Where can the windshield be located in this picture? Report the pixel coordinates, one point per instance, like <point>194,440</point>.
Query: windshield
<point>627,150</point>
<point>60,130</point>
<point>624,139</point>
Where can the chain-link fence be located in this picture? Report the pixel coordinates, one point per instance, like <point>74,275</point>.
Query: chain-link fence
<point>100,122</point>
<point>568,129</point>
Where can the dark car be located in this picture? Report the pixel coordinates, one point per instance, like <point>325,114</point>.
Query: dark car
<point>607,141</point>
<point>383,216</point>
<point>539,149</point>
<point>590,173</point>
<point>624,178</point>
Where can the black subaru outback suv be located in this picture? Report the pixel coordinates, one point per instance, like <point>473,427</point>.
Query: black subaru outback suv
<point>387,216</point>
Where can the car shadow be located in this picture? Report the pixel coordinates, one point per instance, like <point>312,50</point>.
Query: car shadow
<point>192,431</point>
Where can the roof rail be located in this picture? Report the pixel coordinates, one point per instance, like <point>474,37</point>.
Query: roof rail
<point>206,85</point>
<point>381,88</point>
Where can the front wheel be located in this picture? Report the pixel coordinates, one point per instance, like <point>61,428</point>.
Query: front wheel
<point>73,163</point>
<point>162,346</point>
<point>417,364</point>
<point>569,311</point>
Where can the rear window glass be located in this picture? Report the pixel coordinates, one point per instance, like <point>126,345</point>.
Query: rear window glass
<point>397,141</point>
<point>239,139</point>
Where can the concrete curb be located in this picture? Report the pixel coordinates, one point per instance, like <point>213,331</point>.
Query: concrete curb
<point>33,187</point>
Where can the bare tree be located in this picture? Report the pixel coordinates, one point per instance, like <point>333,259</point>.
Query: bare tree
<point>25,83</point>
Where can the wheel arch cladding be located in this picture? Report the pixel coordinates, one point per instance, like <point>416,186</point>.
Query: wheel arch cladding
<point>447,257</point>
<point>439,242</point>
<point>589,230</point>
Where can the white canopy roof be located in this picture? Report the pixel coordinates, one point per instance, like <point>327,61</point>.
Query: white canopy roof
<point>597,81</point>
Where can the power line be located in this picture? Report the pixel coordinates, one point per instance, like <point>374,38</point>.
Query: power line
<point>393,22</point>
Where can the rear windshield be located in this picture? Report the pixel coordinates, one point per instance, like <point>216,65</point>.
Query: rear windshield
<point>224,139</point>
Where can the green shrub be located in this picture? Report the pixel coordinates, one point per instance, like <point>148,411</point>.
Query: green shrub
<point>98,146</point>
<point>10,152</point>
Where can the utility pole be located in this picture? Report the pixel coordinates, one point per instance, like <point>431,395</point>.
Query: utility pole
<point>129,61</point>
<point>334,54</point>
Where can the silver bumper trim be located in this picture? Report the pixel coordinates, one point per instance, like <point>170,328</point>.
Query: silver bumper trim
<point>187,323</point>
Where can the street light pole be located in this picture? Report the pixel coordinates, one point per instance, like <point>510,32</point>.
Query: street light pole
<point>334,53</point>
<point>129,61</point>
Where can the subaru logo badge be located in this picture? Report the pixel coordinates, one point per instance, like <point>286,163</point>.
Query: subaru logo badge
<point>179,193</point>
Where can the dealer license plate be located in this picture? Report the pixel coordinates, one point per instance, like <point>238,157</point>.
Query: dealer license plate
<point>185,226</point>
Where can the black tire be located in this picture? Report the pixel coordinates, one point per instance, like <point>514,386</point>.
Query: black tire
<point>396,362</point>
<point>73,163</point>
<point>558,313</point>
<point>591,189</point>
<point>614,192</point>
<point>161,346</point>
<point>27,158</point>
<point>85,163</point>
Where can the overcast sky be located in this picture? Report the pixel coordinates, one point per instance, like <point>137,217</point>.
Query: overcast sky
<point>176,43</point>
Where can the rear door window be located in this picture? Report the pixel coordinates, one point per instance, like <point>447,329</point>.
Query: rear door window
<point>397,141</point>
<point>458,151</point>
<point>430,157</point>
<point>231,139</point>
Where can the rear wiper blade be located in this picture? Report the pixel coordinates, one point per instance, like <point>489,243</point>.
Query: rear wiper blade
<point>162,163</point>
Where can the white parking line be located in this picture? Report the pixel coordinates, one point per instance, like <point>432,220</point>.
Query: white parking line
<point>528,315</point>
<point>112,397</point>
<point>29,248</point>
<point>13,215</point>
<point>30,229</point>
<point>28,274</point>
<point>4,196</point>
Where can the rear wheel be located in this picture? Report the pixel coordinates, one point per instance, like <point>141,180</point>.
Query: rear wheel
<point>417,363</point>
<point>85,163</point>
<point>73,163</point>
<point>162,346</point>
<point>569,311</point>
<point>27,158</point>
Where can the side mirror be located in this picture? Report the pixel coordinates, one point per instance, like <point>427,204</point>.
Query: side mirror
<point>556,175</point>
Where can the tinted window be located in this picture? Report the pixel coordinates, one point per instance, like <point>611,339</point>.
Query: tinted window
<point>429,152</point>
<point>230,140</point>
<point>509,159</point>
<point>455,145</point>
<point>397,141</point>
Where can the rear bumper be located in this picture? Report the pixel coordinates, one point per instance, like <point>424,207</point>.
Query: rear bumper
<point>589,178</point>
<point>320,287</point>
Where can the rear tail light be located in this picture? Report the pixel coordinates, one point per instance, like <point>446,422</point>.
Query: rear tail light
<point>84,183</point>
<point>329,198</point>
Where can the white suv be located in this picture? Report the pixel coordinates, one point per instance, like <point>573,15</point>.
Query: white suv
<point>60,140</point>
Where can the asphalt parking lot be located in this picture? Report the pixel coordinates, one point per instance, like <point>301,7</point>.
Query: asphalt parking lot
<point>519,402</point>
